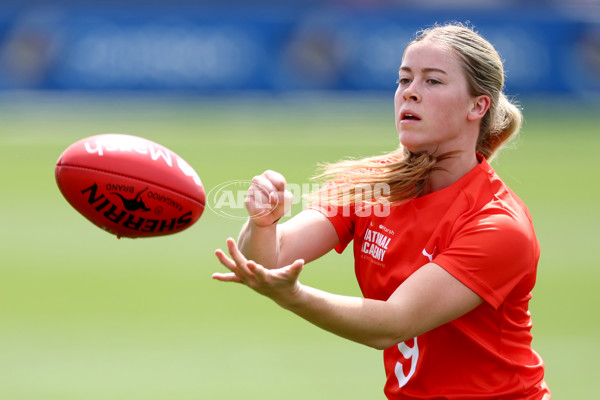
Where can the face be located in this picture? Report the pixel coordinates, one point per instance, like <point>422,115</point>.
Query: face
<point>433,107</point>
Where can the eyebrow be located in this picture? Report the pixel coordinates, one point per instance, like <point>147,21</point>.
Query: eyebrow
<point>425,70</point>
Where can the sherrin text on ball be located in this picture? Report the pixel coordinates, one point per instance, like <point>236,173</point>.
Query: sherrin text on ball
<point>130,186</point>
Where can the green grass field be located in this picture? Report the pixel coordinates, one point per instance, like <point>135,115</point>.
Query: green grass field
<point>86,316</point>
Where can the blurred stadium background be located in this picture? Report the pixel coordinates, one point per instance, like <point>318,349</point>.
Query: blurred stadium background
<point>236,87</point>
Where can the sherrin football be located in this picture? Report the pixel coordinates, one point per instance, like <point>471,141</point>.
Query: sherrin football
<point>130,186</point>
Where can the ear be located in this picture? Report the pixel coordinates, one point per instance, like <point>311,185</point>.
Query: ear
<point>480,106</point>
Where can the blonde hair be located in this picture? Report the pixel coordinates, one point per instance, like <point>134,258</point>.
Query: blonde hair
<point>407,173</point>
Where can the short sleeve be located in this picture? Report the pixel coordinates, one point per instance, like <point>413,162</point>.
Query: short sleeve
<point>343,220</point>
<point>491,254</point>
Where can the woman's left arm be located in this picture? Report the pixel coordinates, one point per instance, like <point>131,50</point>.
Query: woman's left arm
<point>430,297</point>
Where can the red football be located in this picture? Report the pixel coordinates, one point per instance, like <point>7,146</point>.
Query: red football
<point>130,186</point>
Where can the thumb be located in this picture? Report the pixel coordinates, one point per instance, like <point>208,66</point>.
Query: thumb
<point>288,200</point>
<point>295,268</point>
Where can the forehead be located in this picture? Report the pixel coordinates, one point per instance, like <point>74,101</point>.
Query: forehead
<point>429,54</point>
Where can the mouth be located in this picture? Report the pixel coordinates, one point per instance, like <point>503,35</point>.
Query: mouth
<point>409,116</point>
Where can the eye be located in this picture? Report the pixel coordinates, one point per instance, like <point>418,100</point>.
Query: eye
<point>403,81</point>
<point>433,81</point>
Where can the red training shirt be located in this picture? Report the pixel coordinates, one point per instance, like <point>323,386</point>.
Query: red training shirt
<point>479,231</point>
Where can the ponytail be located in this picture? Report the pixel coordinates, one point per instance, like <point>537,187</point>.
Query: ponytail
<point>501,128</point>
<point>403,174</point>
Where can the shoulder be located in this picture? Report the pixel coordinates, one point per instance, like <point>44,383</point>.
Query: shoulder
<point>487,195</point>
<point>501,230</point>
<point>492,251</point>
<point>496,214</point>
<point>492,231</point>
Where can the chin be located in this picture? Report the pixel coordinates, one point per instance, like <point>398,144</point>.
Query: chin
<point>414,145</point>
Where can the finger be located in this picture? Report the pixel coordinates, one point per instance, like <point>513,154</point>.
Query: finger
<point>276,179</point>
<point>280,203</point>
<point>259,202</point>
<point>288,197</point>
<point>290,272</point>
<point>236,255</point>
<point>229,264</point>
<point>293,270</point>
<point>236,264</point>
<point>273,199</point>
<point>278,196</point>
<point>257,271</point>
<point>258,206</point>
<point>298,264</point>
<point>230,277</point>
<point>261,183</point>
<point>258,195</point>
<point>287,200</point>
<point>226,261</point>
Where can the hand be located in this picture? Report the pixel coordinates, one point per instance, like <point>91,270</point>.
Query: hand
<point>280,285</point>
<point>268,200</point>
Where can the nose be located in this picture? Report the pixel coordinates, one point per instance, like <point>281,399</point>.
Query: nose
<point>410,93</point>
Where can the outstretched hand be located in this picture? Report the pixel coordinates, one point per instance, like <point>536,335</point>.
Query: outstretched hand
<point>281,284</point>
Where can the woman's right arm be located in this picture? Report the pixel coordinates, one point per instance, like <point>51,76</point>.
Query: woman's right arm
<point>307,236</point>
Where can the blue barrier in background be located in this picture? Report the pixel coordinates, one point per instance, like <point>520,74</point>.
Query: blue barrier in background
<point>272,47</point>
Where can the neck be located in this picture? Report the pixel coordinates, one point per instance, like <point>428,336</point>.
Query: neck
<point>450,170</point>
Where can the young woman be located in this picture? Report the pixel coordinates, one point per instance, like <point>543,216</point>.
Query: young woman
<point>448,263</point>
